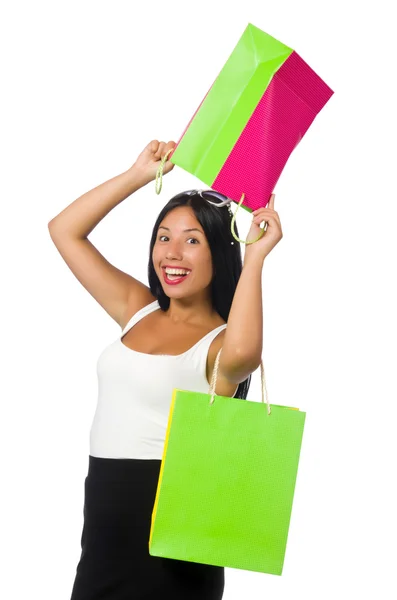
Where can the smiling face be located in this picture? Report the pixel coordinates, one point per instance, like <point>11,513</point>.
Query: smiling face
<point>178,248</point>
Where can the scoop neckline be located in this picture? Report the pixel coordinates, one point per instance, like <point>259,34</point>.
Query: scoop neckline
<point>169,355</point>
<point>162,355</point>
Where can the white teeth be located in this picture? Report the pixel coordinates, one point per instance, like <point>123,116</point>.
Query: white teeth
<point>176,272</point>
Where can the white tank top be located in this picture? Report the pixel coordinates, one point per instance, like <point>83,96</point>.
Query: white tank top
<point>135,391</point>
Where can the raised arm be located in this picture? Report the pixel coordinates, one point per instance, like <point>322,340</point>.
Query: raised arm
<point>117,292</point>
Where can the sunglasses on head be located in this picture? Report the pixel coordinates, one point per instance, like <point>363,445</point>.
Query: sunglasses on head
<point>207,195</point>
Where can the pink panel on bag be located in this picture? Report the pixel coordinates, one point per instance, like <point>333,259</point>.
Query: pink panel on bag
<point>276,126</point>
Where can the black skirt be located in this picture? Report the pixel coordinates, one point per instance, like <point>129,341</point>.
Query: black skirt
<point>115,563</point>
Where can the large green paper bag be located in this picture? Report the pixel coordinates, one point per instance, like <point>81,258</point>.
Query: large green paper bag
<point>227,481</point>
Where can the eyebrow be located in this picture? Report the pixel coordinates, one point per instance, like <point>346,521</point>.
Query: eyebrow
<point>192,229</point>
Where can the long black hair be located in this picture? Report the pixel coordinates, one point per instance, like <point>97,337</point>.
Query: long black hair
<point>226,258</point>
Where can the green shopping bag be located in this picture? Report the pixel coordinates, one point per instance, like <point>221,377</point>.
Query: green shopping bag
<point>227,481</point>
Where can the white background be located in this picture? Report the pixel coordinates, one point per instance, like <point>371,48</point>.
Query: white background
<point>85,86</point>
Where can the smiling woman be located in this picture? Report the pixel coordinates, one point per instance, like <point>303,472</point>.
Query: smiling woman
<point>170,335</point>
<point>213,263</point>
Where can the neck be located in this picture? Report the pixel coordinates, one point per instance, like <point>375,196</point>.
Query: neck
<point>190,311</point>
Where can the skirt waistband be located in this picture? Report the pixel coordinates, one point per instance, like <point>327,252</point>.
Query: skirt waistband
<point>119,469</point>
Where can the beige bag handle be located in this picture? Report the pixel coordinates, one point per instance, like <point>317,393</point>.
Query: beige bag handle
<point>215,375</point>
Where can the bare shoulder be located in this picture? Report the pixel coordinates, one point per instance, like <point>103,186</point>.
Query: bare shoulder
<point>136,302</point>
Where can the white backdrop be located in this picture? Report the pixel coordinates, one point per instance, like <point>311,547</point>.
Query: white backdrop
<point>86,85</point>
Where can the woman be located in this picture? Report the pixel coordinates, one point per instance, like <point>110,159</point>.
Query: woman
<point>170,335</point>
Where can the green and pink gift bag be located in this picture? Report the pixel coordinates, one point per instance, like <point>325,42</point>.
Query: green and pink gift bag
<point>255,113</point>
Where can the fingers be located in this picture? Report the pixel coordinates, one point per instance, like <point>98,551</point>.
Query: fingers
<point>170,146</point>
<point>160,149</point>
<point>264,214</point>
<point>264,211</point>
<point>153,146</point>
<point>168,167</point>
<point>273,216</point>
<point>263,217</point>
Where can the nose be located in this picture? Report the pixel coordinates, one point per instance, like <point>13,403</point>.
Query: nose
<point>174,250</point>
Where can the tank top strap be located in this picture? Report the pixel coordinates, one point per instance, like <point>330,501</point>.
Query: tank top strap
<point>139,315</point>
<point>206,340</point>
<point>212,334</point>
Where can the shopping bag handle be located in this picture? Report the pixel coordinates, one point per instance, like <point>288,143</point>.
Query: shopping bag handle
<point>159,185</point>
<point>215,375</point>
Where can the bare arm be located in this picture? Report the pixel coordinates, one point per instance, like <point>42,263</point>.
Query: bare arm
<point>120,294</point>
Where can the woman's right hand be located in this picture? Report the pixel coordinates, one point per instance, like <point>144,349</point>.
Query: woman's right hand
<point>148,161</point>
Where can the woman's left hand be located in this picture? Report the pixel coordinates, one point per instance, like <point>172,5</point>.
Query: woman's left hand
<point>270,238</point>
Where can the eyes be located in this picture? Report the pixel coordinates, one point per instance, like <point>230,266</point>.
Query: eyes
<point>192,238</point>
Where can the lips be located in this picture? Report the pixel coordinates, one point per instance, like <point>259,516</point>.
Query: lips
<point>174,281</point>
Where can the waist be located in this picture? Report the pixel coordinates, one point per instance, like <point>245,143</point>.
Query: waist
<point>121,469</point>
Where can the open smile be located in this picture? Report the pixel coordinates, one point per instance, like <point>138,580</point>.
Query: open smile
<point>174,279</point>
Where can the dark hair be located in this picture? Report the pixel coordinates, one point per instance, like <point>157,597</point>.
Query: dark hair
<point>226,258</point>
